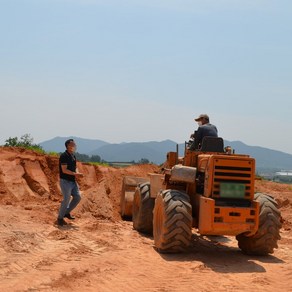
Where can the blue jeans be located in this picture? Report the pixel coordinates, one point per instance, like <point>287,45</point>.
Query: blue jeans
<point>68,188</point>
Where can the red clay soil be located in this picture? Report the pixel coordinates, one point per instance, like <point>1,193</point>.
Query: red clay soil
<point>100,252</point>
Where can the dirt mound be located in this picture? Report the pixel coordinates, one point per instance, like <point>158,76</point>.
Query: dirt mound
<point>31,180</point>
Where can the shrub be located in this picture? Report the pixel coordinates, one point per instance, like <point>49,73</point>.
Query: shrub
<point>25,141</point>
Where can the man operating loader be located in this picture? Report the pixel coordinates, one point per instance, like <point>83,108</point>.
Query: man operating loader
<point>204,129</point>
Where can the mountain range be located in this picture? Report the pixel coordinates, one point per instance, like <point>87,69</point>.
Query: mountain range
<point>266,159</point>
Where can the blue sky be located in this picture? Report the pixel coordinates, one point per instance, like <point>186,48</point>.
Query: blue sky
<point>142,70</point>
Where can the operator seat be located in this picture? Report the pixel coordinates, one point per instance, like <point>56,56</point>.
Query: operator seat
<point>212,144</point>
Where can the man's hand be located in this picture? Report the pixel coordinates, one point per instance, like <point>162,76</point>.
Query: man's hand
<point>79,174</point>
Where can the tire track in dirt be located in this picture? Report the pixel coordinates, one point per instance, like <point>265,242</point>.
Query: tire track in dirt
<point>27,255</point>
<point>210,265</point>
<point>101,255</point>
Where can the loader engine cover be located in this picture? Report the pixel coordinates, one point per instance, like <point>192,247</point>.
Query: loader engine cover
<point>182,173</point>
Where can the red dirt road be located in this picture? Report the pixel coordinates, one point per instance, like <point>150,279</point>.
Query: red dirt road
<point>99,252</point>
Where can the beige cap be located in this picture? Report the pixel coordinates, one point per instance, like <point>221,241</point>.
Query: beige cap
<point>202,116</point>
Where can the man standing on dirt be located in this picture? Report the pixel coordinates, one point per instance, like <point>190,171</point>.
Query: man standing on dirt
<point>205,129</point>
<point>69,186</point>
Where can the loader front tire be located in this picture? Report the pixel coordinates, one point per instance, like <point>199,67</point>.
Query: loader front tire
<point>265,239</point>
<point>172,221</point>
<point>143,206</point>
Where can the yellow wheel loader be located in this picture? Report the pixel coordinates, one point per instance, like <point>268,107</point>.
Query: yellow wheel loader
<point>212,190</point>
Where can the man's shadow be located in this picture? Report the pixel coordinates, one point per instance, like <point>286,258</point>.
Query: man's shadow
<point>68,226</point>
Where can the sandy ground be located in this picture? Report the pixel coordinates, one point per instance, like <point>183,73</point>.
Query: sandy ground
<point>99,252</point>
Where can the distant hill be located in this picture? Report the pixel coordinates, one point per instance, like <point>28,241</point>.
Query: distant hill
<point>266,159</point>
<point>153,151</point>
<point>84,146</point>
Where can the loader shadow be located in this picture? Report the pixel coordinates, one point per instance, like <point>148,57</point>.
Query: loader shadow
<point>218,254</point>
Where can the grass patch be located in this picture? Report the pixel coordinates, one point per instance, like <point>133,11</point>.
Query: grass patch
<point>35,149</point>
<point>99,163</point>
<point>52,153</point>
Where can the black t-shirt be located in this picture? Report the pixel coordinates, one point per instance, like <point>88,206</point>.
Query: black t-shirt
<point>70,161</point>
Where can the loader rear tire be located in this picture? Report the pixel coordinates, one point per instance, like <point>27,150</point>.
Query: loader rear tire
<point>172,221</point>
<point>265,239</point>
<point>143,206</point>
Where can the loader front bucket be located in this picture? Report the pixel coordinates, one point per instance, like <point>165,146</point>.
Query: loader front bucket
<point>127,196</point>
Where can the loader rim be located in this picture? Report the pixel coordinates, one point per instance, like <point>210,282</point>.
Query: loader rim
<point>264,241</point>
<point>143,206</point>
<point>124,206</point>
<point>158,222</point>
<point>127,195</point>
<point>172,222</point>
<point>124,203</point>
<point>136,202</point>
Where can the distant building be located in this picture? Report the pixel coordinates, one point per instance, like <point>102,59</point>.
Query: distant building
<point>284,176</point>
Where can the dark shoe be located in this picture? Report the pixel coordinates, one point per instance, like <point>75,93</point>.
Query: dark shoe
<point>69,216</point>
<point>61,222</point>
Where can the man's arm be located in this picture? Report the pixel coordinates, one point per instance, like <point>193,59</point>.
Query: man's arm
<point>67,171</point>
<point>78,173</point>
<point>198,139</point>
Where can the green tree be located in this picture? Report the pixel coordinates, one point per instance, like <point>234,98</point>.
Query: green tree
<point>82,157</point>
<point>143,161</point>
<point>25,141</point>
<point>95,158</point>
<point>11,142</point>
